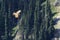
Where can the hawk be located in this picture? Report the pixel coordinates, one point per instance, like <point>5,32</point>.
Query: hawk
<point>16,14</point>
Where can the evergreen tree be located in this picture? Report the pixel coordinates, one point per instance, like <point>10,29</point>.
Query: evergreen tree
<point>34,23</point>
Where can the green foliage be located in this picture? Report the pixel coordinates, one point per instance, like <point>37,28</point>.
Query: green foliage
<point>35,22</point>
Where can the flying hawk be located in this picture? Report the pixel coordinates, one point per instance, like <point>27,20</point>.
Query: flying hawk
<point>16,14</point>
